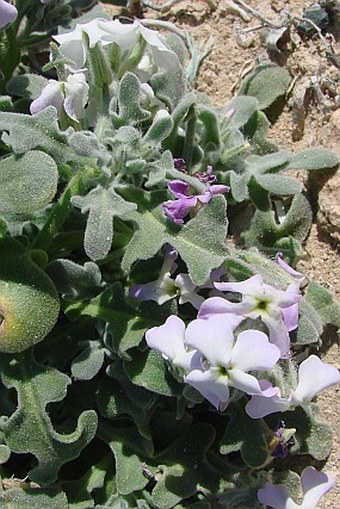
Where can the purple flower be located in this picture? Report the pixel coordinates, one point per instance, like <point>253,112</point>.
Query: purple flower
<point>276,308</point>
<point>179,164</point>
<point>283,440</point>
<point>177,210</point>
<point>314,376</point>
<point>314,485</point>
<point>8,13</point>
<point>207,177</point>
<point>211,358</point>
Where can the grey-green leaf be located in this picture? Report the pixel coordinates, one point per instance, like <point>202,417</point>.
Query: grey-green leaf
<point>313,159</point>
<point>102,205</point>
<point>267,82</point>
<point>27,182</point>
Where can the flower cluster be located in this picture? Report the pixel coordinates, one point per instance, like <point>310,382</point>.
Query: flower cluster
<point>212,359</point>
<point>73,93</point>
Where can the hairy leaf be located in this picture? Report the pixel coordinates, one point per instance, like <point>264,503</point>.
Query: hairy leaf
<point>27,182</point>
<point>200,243</point>
<point>102,205</point>
<point>30,429</point>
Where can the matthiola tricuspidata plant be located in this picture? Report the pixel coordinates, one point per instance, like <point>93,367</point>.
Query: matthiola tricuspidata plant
<point>149,359</point>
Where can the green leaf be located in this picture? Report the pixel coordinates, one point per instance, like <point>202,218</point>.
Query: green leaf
<point>186,468</point>
<point>160,128</point>
<point>117,396</point>
<point>88,363</point>
<point>33,499</point>
<point>312,436</point>
<point>200,243</point>
<point>126,324</point>
<point>326,304</point>
<point>243,108</point>
<point>75,281</point>
<point>267,234</point>
<point>130,452</point>
<point>79,491</point>
<point>29,428</point>
<point>103,205</point>
<point>26,85</point>
<point>258,195</point>
<point>266,83</point>
<point>279,184</point>
<point>40,131</point>
<point>27,182</point>
<point>149,370</point>
<point>310,324</point>
<point>313,159</point>
<point>130,111</point>
<point>245,435</point>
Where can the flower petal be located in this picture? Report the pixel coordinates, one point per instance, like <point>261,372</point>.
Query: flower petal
<point>314,376</point>
<point>8,13</point>
<point>314,485</point>
<point>76,96</point>
<point>179,188</point>
<point>213,388</point>
<point>276,497</point>
<point>249,286</point>
<point>218,305</point>
<point>260,406</point>
<point>278,333</point>
<point>213,338</point>
<point>51,95</point>
<point>252,350</point>
<point>244,382</point>
<point>168,339</point>
<point>292,272</point>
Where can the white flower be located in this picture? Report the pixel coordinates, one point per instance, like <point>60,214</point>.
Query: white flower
<point>71,94</point>
<point>314,376</point>
<point>124,35</point>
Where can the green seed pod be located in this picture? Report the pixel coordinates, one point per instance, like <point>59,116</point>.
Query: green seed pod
<point>29,303</point>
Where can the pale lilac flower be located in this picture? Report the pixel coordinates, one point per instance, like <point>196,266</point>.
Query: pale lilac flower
<point>165,287</point>
<point>8,13</point>
<point>276,308</point>
<point>210,357</point>
<point>300,278</point>
<point>314,485</point>
<point>72,95</point>
<point>313,377</point>
<point>227,362</point>
<point>176,210</point>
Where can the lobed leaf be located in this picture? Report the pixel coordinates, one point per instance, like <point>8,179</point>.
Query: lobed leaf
<point>29,428</point>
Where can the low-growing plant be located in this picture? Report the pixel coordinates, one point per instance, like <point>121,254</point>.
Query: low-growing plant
<point>154,336</point>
